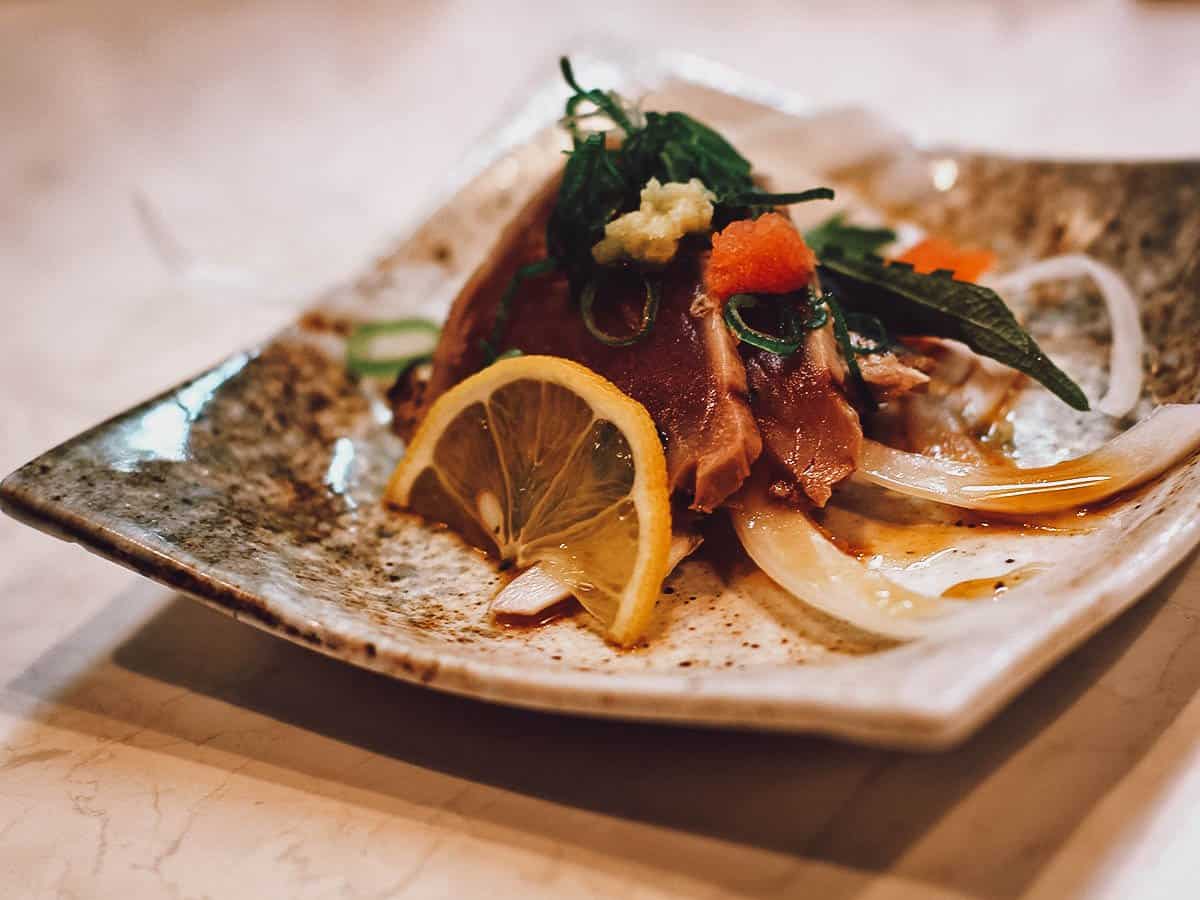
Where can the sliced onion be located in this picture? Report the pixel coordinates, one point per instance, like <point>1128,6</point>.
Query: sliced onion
<point>1166,437</point>
<point>796,555</point>
<point>535,590</point>
<point>1125,357</point>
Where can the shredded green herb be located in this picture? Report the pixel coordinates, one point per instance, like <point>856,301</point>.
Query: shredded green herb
<point>602,181</point>
<point>842,333</point>
<point>675,147</point>
<point>760,198</point>
<point>605,102</point>
<point>593,191</point>
<point>504,308</point>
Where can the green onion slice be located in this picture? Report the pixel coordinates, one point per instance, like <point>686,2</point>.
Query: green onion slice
<point>388,349</point>
<point>818,312</point>
<point>783,345</point>
<point>587,300</point>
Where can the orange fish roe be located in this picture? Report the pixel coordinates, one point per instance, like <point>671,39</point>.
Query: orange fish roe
<point>766,255</point>
<point>938,253</point>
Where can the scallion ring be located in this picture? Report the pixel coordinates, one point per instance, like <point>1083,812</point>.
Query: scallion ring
<point>388,349</point>
<point>587,302</point>
<point>872,333</point>
<point>783,345</point>
<point>818,312</point>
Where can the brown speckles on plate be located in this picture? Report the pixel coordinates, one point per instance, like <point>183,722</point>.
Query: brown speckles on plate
<point>255,487</point>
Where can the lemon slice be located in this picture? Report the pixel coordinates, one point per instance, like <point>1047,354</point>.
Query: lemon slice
<point>540,460</point>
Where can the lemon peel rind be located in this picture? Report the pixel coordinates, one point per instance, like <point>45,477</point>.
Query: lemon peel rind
<point>650,492</point>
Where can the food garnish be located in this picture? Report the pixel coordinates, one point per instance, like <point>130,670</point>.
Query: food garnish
<point>791,325</point>
<point>669,176</point>
<point>587,309</point>
<point>933,254</point>
<point>653,324</point>
<point>1125,359</point>
<point>388,349</point>
<point>535,590</point>
<point>652,232</point>
<point>539,460</point>
<point>764,255</point>
<point>914,303</point>
<point>1136,456</point>
<point>793,552</point>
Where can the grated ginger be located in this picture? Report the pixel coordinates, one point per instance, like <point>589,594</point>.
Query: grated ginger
<point>651,234</point>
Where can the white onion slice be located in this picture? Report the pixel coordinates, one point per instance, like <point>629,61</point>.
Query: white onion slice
<point>1145,451</point>
<point>535,590</point>
<point>796,555</point>
<point>1125,357</point>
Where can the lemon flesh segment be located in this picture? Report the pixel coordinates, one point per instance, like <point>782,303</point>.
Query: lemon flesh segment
<point>540,460</point>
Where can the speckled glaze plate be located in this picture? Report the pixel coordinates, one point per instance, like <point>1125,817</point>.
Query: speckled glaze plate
<point>255,487</point>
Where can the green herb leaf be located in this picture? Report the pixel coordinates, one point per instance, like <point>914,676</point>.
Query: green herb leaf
<point>600,182</point>
<point>912,303</point>
<point>675,147</point>
<point>834,232</point>
<point>761,198</point>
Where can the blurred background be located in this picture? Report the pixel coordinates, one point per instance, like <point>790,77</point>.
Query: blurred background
<point>275,147</point>
<point>176,179</point>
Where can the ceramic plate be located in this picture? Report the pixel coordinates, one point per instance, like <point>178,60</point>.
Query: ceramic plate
<point>255,487</point>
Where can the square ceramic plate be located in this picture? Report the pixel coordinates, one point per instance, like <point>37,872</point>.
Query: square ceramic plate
<point>255,487</point>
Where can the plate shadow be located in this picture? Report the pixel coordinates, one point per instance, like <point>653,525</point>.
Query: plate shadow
<point>860,808</point>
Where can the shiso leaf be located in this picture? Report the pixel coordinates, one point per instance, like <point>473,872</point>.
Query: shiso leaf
<point>909,302</point>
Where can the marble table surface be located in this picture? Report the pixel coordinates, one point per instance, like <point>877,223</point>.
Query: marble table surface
<point>176,179</point>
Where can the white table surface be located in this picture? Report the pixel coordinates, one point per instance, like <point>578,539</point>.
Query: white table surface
<point>150,747</point>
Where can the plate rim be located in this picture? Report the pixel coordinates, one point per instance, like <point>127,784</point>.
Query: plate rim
<point>759,699</point>
<point>717,699</point>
